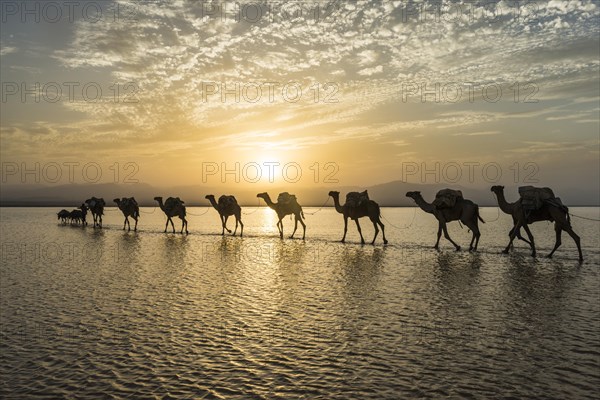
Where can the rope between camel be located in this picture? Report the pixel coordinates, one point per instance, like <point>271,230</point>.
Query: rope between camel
<point>402,227</point>
<point>320,208</point>
<point>579,216</point>
<point>199,215</point>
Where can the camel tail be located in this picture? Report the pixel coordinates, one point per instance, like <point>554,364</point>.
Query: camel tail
<point>479,216</point>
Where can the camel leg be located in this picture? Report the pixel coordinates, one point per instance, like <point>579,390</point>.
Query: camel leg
<point>295,226</point>
<point>345,229</point>
<point>530,236</point>
<point>167,224</point>
<point>476,234</point>
<point>303,228</point>
<point>172,224</point>
<point>226,217</point>
<point>184,225</point>
<point>447,236</point>
<point>128,225</point>
<point>577,240</point>
<point>383,231</point>
<point>558,240</point>
<point>362,240</point>
<point>520,237</point>
<point>473,230</point>
<point>236,225</point>
<point>222,225</point>
<point>439,235</point>
<point>239,218</point>
<point>376,231</point>
<point>280,227</point>
<point>511,235</point>
<point>135,227</point>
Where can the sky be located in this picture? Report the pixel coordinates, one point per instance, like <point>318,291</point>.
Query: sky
<point>305,93</point>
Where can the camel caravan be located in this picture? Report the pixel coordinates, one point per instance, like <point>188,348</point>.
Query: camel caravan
<point>534,204</point>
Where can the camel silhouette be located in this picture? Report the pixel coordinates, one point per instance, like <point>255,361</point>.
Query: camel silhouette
<point>96,206</point>
<point>174,207</point>
<point>63,215</point>
<point>226,207</point>
<point>464,211</point>
<point>548,212</point>
<point>283,209</point>
<point>76,216</point>
<point>129,208</point>
<point>367,209</point>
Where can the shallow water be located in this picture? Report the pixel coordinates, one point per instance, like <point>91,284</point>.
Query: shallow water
<point>106,313</point>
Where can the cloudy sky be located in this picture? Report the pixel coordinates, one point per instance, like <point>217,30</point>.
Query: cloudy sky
<point>378,88</point>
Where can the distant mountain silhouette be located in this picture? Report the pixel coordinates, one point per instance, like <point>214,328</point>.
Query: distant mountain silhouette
<point>389,194</point>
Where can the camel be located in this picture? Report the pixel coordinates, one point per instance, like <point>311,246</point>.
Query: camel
<point>129,208</point>
<point>176,208</point>
<point>84,211</point>
<point>368,209</point>
<point>226,207</point>
<point>78,215</point>
<point>283,209</point>
<point>63,215</point>
<point>96,206</point>
<point>464,211</point>
<point>548,212</point>
<point>75,216</point>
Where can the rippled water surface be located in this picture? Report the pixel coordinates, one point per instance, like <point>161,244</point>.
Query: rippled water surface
<point>106,313</point>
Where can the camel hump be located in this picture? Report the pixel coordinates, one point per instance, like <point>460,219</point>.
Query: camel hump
<point>227,200</point>
<point>285,197</point>
<point>129,201</point>
<point>355,199</point>
<point>173,202</point>
<point>447,198</point>
<point>533,198</point>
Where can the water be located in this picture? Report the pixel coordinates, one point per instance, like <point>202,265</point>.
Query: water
<point>106,313</point>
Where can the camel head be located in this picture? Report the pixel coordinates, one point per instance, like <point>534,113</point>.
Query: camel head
<point>262,195</point>
<point>497,189</point>
<point>209,196</point>
<point>334,194</point>
<point>413,195</point>
<point>83,207</point>
<point>158,198</point>
<point>117,200</point>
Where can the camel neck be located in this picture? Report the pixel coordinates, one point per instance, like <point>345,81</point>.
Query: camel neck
<point>213,203</point>
<point>503,204</point>
<point>425,206</point>
<point>338,206</point>
<point>268,201</point>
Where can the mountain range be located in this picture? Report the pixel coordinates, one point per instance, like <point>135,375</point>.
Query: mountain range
<point>391,194</point>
